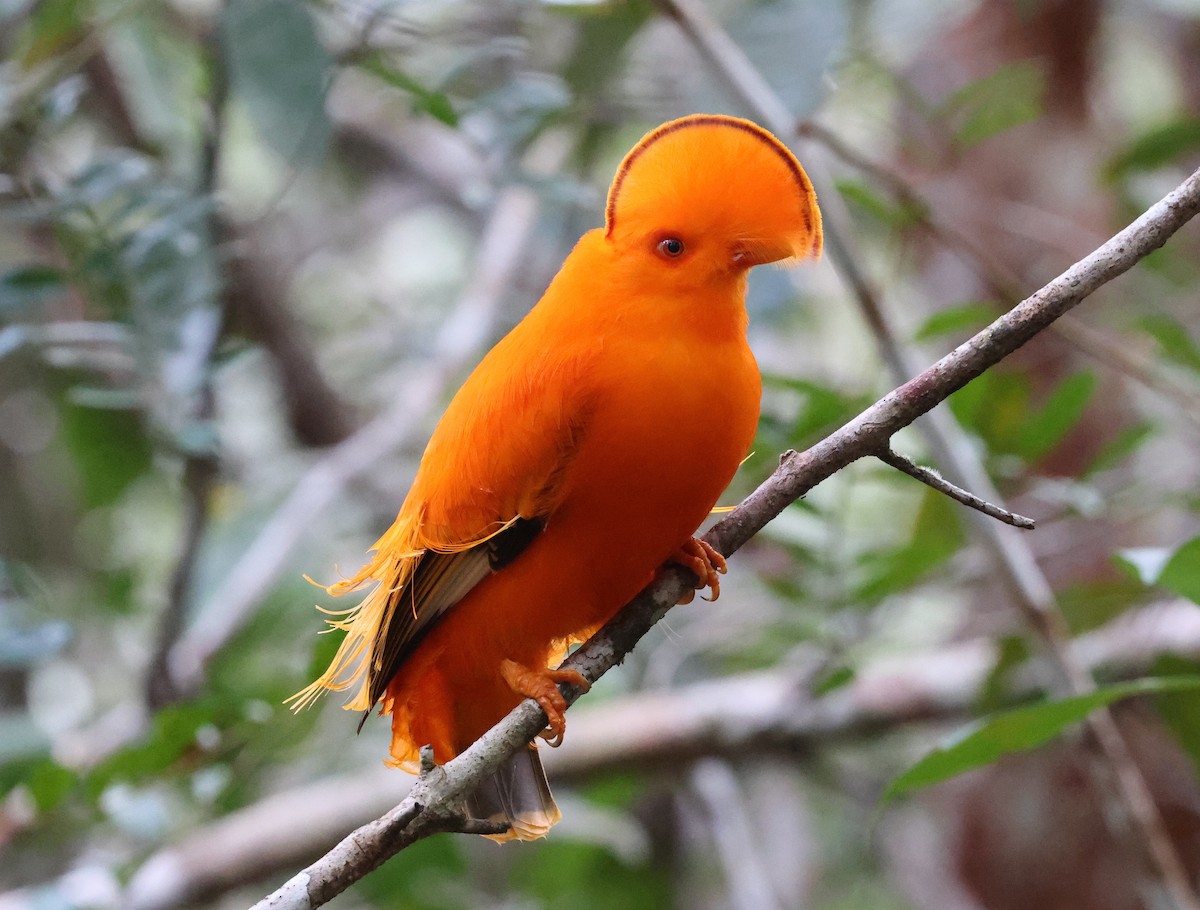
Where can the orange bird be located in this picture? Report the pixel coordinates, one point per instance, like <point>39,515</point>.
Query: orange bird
<point>578,457</point>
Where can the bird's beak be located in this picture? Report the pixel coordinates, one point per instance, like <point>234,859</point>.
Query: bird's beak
<point>749,253</point>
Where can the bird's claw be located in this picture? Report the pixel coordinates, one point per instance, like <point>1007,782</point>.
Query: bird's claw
<point>703,561</point>
<point>542,687</point>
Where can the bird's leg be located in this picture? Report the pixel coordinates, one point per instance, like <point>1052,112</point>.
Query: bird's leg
<point>705,563</point>
<point>542,687</point>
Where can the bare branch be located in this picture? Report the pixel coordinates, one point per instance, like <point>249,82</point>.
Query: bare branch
<point>748,884</point>
<point>936,481</point>
<point>200,470</point>
<point>255,295</point>
<point>797,474</point>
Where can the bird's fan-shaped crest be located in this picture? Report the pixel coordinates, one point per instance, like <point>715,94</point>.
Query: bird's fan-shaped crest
<point>714,171</point>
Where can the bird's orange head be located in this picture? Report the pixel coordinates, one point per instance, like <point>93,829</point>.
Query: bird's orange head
<point>719,191</point>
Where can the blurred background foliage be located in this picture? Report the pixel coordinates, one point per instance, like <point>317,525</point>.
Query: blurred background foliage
<point>247,251</point>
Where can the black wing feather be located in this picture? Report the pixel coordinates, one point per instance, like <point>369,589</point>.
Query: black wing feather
<point>413,609</point>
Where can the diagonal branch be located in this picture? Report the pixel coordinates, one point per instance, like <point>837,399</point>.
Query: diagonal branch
<point>418,815</point>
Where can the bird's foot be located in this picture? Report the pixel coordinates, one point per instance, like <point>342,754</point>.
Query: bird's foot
<point>705,563</point>
<point>542,687</point>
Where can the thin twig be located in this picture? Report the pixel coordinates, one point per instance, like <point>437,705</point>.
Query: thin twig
<point>937,482</point>
<point>372,844</point>
<point>1135,364</point>
<point>255,295</point>
<point>428,763</point>
<point>748,883</point>
<point>201,469</point>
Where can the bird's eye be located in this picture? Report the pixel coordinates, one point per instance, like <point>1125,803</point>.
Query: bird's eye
<point>671,247</point>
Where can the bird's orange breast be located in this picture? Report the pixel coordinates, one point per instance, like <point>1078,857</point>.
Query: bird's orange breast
<point>676,419</point>
<point>672,414</point>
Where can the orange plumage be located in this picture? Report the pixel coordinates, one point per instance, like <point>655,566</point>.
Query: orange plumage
<point>581,453</point>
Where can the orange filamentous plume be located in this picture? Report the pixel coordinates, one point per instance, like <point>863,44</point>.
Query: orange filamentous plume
<point>578,457</point>
<point>397,553</point>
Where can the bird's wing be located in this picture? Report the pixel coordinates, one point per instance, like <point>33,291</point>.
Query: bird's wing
<point>490,476</point>
<point>437,582</point>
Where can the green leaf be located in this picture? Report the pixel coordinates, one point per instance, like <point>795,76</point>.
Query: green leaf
<point>1088,605</point>
<point>1177,571</point>
<point>1174,340</point>
<point>1180,710</point>
<point>821,407</point>
<point>969,317</point>
<point>1181,574</point>
<point>172,734</point>
<point>1010,96</point>
<point>936,537</point>
<point>1057,417</point>
<point>1014,651</point>
<point>111,449</point>
<point>833,678</point>
<point>574,873</point>
<point>323,650</point>
<point>435,104</point>
<point>54,25</point>
<point>601,38</point>
<point>1143,563</point>
<point>1158,146</point>
<point>50,782</point>
<point>23,747</point>
<point>425,876</point>
<point>1128,441</point>
<point>871,203</point>
<point>29,285</point>
<point>279,70</point>
<point>615,790</point>
<point>118,591</point>
<point>1018,730</point>
<point>996,407</point>
<point>1000,408</point>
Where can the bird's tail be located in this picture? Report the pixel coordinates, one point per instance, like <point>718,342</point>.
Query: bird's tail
<point>518,794</point>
